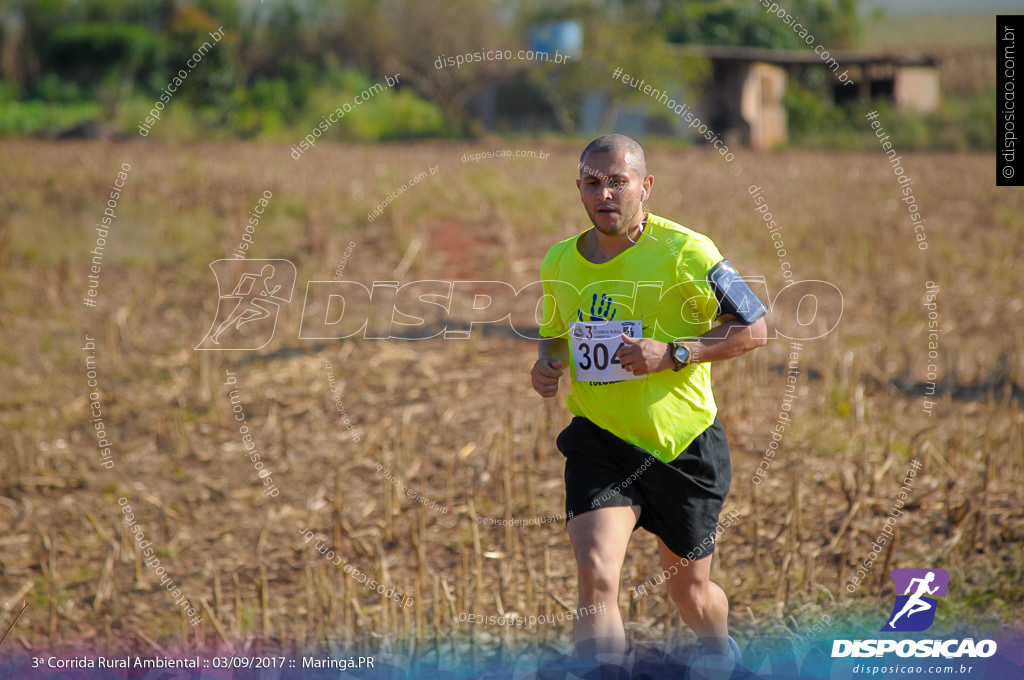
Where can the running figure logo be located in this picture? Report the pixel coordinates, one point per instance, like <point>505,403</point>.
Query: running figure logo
<point>914,611</point>
<point>247,316</point>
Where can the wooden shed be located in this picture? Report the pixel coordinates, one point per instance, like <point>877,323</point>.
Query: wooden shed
<point>744,100</point>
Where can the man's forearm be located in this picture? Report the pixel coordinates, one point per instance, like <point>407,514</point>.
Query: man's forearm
<point>553,348</point>
<point>727,340</point>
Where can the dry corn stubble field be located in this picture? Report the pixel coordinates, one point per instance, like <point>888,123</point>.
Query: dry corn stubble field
<point>456,421</point>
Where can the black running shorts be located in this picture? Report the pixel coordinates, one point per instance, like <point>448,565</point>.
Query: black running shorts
<point>679,501</point>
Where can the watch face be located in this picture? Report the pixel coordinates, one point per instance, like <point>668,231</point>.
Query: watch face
<point>682,355</point>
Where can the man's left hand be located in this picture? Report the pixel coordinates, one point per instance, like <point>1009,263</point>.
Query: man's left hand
<point>641,356</point>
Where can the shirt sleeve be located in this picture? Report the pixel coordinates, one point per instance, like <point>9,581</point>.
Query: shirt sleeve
<point>696,259</point>
<point>552,324</point>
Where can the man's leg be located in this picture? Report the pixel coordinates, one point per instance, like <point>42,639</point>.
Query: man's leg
<point>702,602</point>
<point>232,317</point>
<point>911,607</point>
<point>599,539</point>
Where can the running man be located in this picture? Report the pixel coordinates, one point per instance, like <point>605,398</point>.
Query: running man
<point>250,306</point>
<point>914,603</point>
<point>638,358</point>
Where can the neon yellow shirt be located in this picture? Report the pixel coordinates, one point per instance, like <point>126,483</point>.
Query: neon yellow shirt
<point>661,282</point>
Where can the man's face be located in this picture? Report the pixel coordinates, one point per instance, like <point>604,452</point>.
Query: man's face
<point>610,189</point>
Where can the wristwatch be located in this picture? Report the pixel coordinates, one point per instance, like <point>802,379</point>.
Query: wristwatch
<point>680,355</point>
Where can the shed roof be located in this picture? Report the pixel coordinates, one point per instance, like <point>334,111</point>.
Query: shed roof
<point>808,57</point>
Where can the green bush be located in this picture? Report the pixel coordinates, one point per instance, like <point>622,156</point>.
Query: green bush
<point>389,114</point>
<point>959,125</point>
<point>272,110</point>
<point>807,113</point>
<point>54,90</point>
<point>34,118</point>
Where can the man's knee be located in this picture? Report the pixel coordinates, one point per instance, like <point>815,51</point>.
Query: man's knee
<point>596,572</point>
<point>689,594</point>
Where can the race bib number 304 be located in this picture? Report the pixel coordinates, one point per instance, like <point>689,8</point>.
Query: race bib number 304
<point>594,346</point>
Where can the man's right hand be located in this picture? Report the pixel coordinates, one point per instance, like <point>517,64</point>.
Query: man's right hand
<point>545,374</point>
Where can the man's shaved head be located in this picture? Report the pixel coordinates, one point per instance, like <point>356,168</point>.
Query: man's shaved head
<point>615,142</point>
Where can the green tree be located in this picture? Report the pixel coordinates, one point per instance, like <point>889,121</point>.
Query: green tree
<point>435,30</point>
<point>747,24</point>
<point>614,37</point>
<point>715,22</point>
<point>105,60</point>
<point>214,74</point>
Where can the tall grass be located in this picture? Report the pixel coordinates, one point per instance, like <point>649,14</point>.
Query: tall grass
<point>456,420</point>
